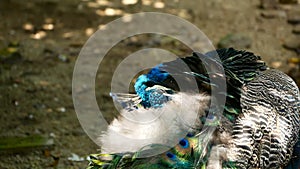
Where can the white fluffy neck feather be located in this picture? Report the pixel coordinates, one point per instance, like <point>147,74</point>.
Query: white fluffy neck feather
<point>135,129</point>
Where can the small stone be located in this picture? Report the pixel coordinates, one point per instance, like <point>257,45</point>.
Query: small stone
<point>159,5</point>
<point>293,44</point>
<point>89,31</point>
<point>294,60</point>
<point>274,14</point>
<point>68,35</point>
<point>44,83</point>
<point>186,14</point>
<point>48,27</point>
<point>296,29</point>
<point>30,116</point>
<point>236,41</point>
<point>61,109</point>
<point>75,157</point>
<point>15,102</point>
<point>28,27</point>
<point>269,4</point>
<point>63,58</point>
<point>129,2</point>
<point>276,64</point>
<point>38,35</point>
<point>294,17</point>
<point>52,135</point>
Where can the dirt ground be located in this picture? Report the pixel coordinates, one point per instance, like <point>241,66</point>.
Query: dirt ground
<point>41,39</point>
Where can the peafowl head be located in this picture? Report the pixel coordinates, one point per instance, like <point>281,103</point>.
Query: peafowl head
<point>153,95</point>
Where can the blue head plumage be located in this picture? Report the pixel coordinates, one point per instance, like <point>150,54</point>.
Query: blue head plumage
<point>156,74</point>
<point>151,97</point>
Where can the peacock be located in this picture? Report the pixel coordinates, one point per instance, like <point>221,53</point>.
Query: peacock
<point>256,127</point>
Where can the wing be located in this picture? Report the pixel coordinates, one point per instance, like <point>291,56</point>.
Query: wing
<point>268,128</point>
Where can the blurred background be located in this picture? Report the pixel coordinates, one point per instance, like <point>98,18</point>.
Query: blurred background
<point>41,39</point>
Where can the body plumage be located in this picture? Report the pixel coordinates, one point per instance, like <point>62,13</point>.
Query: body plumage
<point>257,128</point>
